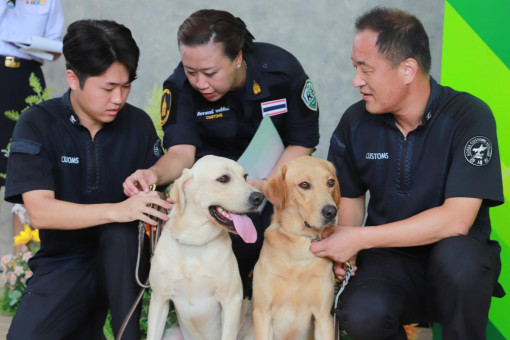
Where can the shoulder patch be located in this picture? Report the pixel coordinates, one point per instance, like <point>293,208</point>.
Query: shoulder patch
<point>478,151</point>
<point>156,148</point>
<point>166,104</point>
<point>308,95</point>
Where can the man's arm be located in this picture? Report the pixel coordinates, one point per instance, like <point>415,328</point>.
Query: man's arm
<point>167,169</point>
<point>46,212</point>
<point>351,211</point>
<point>454,217</point>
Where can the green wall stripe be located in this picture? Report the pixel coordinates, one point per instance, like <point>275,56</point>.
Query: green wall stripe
<point>476,59</point>
<point>489,19</point>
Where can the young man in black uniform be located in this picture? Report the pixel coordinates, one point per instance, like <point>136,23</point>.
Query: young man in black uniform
<point>429,157</point>
<point>68,159</point>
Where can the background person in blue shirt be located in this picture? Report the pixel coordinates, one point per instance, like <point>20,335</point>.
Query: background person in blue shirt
<point>215,100</point>
<point>69,157</point>
<point>428,155</point>
<point>20,22</point>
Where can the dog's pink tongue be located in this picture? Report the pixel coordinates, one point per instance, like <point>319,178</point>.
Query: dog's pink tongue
<point>245,228</point>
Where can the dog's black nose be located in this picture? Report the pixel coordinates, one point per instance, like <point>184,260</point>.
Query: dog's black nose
<point>329,212</point>
<point>256,198</point>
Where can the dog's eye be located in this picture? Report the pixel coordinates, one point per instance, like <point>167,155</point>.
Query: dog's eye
<point>304,185</point>
<point>331,183</point>
<point>224,179</point>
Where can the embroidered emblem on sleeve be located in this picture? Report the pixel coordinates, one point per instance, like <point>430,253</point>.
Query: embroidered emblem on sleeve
<point>308,95</point>
<point>166,103</point>
<point>478,151</point>
<point>156,148</point>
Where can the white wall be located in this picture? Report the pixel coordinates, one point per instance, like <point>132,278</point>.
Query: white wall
<point>319,33</point>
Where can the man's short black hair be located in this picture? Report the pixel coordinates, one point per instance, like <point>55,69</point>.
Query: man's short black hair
<point>92,46</point>
<point>401,35</point>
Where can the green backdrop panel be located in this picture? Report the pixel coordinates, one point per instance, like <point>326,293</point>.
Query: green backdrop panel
<point>475,59</point>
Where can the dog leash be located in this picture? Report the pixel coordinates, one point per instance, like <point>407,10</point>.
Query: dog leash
<point>342,287</point>
<point>154,233</point>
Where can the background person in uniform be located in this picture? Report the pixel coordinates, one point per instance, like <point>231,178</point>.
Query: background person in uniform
<point>69,156</point>
<point>215,100</point>
<point>429,157</point>
<point>19,21</point>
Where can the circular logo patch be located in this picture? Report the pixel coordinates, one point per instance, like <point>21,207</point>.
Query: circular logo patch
<point>166,103</point>
<point>157,148</point>
<point>478,151</point>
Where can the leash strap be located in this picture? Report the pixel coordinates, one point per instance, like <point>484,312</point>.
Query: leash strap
<point>154,233</point>
<point>340,291</point>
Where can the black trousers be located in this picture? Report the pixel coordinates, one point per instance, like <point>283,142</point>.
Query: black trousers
<point>450,282</point>
<point>72,302</point>
<point>61,304</point>
<point>14,89</point>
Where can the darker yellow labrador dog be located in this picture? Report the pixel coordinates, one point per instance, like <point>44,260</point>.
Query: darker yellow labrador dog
<point>293,289</point>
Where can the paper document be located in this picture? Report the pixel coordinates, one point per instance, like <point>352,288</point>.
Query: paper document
<point>263,152</point>
<point>39,47</point>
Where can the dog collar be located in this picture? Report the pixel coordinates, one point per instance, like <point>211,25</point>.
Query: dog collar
<point>312,239</point>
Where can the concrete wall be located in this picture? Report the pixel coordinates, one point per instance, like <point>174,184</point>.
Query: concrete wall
<point>319,33</point>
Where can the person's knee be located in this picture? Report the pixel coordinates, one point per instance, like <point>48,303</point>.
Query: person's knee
<point>459,261</point>
<point>368,317</point>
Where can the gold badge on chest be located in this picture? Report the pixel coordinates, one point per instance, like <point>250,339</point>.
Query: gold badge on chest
<point>256,88</point>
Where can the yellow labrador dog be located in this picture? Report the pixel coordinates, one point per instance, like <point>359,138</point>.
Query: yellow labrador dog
<point>292,289</point>
<point>193,263</point>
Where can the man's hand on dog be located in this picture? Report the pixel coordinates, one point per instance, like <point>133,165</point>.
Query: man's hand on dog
<point>143,207</point>
<point>140,180</point>
<point>339,244</point>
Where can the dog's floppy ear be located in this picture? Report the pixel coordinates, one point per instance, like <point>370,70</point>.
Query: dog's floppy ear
<point>275,191</point>
<point>177,192</point>
<point>336,189</point>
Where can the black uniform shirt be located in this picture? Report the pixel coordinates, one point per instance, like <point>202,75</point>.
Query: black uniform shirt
<point>276,85</point>
<point>453,153</point>
<point>51,150</point>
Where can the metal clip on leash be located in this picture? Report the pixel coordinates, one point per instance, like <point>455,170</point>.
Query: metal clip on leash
<point>344,283</point>
<point>154,233</point>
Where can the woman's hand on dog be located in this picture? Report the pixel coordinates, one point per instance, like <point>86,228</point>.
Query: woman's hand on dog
<point>138,181</point>
<point>142,207</point>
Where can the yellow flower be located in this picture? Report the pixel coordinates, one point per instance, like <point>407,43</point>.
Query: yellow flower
<point>26,236</point>
<point>35,235</point>
<point>412,331</point>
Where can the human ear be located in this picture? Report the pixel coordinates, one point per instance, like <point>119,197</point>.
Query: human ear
<point>410,68</point>
<point>72,80</point>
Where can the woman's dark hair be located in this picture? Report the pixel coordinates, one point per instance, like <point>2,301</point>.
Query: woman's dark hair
<point>209,25</point>
<point>92,46</point>
<point>401,36</point>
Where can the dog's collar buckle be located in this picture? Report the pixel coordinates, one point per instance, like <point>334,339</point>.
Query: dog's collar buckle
<point>317,238</point>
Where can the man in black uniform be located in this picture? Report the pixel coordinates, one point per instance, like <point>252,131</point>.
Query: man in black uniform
<point>429,157</point>
<point>68,159</point>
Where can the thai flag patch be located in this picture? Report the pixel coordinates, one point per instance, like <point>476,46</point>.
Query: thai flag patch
<point>274,107</point>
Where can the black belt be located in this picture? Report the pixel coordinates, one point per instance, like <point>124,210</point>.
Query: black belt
<point>15,62</point>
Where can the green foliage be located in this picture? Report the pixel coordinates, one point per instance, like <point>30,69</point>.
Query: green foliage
<point>15,273</point>
<point>153,108</point>
<point>170,321</point>
<point>12,115</point>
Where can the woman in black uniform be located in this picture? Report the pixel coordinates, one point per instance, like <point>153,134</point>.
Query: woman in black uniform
<point>215,100</point>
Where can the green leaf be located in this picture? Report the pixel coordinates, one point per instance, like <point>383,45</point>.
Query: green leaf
<point>35,83</point>
<point>12,115</point>
<point>15,294</point>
